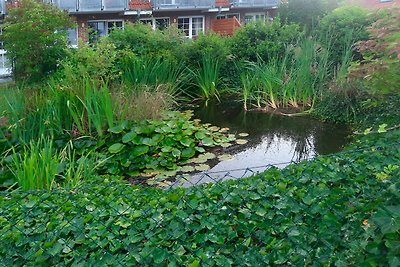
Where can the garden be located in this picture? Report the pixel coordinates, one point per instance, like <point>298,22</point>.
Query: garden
<point>94,140</point>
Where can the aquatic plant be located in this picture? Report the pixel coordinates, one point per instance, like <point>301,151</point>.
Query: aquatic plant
<point>207,77</point>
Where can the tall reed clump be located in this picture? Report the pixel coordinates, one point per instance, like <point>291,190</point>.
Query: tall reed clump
<point>207,77</point>
<point>35,167</point>
<point>34,112</point>
<point>295,80</point>
<point>92,113</point>
<point>153,72</point>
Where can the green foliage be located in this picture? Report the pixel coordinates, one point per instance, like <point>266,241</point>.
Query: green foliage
<point>380,68</point>
<point>335,27</point>
<point>35,37</point>
<point>158,145</point>
<point>36,166</point>
<point>207,77</point>
<point>266,40</point>
<point>297,80</point>
<point>306,13</point>
<point>212,44</point>
<point>97,63</point>
<point>142,40</point>
<point>329,211</point>
<point>151,72</point>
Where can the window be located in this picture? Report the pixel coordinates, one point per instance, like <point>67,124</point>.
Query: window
<point>191,26</point>
<point>229,16</point>
<point>98,29</point>
<point>252,17</point>
<point>72,37</point>
<point>156,23</point>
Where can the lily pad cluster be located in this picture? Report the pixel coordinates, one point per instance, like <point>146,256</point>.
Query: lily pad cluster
<point>152,147</point>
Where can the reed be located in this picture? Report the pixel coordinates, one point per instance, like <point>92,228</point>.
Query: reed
<point>35,167</point>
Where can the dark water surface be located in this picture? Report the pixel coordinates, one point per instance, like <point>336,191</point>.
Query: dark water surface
<point>273,139</point>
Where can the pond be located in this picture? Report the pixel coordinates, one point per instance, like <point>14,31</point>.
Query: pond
<point>274,140</point>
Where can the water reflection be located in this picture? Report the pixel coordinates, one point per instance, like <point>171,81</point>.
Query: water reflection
<point>273,139</point>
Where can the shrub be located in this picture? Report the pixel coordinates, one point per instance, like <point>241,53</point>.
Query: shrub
<point>335,27</point>
<point>143,40</point>
<point>266,40</point>
<point>306,13</point>
<point>35,37</point>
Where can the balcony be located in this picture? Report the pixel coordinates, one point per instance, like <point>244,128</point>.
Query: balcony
<point>182,4</point>
<point>92,6</point>
<point>255,3</point>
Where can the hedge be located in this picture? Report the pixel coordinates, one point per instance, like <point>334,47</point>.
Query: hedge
<point>338,210</point>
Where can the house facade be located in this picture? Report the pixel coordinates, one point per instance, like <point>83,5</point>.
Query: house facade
<point>96,18</point>
<point>191,16</point>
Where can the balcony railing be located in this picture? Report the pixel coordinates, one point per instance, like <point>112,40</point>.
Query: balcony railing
<point>183,4</point>
<point>255,3</point>
<point>75,6</point>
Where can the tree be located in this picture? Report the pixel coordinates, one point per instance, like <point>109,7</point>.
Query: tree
<point>35,38</point>
<point>306,13</point>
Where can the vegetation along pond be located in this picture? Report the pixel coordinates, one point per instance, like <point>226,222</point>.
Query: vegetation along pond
<point>273,139</point>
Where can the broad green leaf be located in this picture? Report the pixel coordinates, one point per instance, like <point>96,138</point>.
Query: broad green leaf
<point>116,148</point>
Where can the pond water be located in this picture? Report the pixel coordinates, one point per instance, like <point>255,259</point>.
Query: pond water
<point>273,140</point>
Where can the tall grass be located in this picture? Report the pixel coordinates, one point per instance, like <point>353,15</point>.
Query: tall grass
<point>36,166</point>
<point>294,80</point>
<point>155,72</point>
<point>207,77</point>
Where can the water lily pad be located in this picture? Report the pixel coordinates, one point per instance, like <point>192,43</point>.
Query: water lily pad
<point>200,135</point>
<point>186,142</point>
<point>176,152</point>
<point>202,167</point>
<point>149,142</point>
<point>188,152</point>
<point>187,169</point>
<point>214,128</point>
<point>225,157</point>
<point>128,137</point>
<point>115,148</point>
<point>241,141</point>
<point>208,155</point>
<point>199,159</point>
<point>207,141</point>
<point>231,137</point>
<point>243,134</point>
<point>224,130</point>
<point>225,145</point>
<point>200,149</point>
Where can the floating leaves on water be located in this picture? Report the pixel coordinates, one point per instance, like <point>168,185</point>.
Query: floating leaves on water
<point>241,141</point>
<point>225,145</point>
<point>200,149</point>
<point>208,155</point>
<point>214,128</point>
<point>187,169</point>
<point>231,137</point>
<point>207,141</point>
<point>225,157</point>
<point>199,159</point>
<point>202,167</point>
<point>243,134</point>
<point>224,130</point>
<point>197,120</point>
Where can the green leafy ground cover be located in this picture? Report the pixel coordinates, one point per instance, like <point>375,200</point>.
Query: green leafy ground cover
<point>339,210</point>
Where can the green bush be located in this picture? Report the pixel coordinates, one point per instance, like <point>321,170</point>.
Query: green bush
<point>266,40</point>
<point>335,27</point>
<point>35,37</point>
<point>335,210</point>
<point>306,13</point>
<point>142,40</point>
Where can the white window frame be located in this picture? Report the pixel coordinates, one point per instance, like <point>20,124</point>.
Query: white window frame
<point>253,15</point>
<point>153,21</point>
<point>190,36</point>
<point>77,38</point>
<point>106,23</point>
<point>225,16</point>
